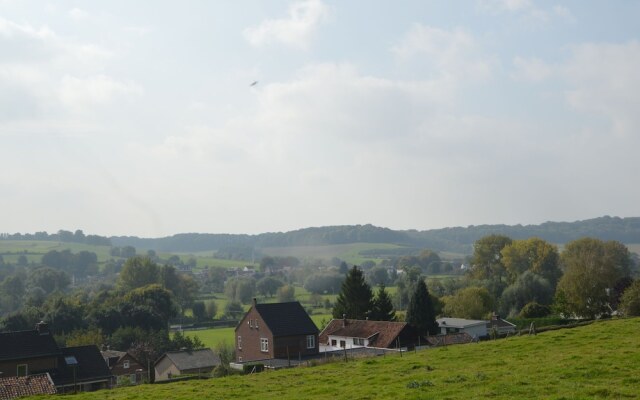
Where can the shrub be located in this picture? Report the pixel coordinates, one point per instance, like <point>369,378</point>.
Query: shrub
<point>534,310</point>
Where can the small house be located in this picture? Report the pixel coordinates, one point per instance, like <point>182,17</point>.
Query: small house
<point>475,328</point>
<point>185,362</point>
<point>276,330</point>
<point>352,333</point>
<point>501,326</point>
<point>125,368</point>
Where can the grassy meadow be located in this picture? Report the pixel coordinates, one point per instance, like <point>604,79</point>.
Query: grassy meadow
<point>601,360</point>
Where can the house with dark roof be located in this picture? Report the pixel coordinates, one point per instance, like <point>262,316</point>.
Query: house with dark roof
<point>24,353</point>
<point>500,326</point>
<point>81,369</point>
<point>27,353</point>
<point>185,362</point>
<point>23,386</point>
<point>275,331</point>
<point>352,333</point>
<point>125,368</point>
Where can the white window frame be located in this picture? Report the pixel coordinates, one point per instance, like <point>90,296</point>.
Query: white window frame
<point>264,345</point>
<point>358,341</point>
<point>125,364</point>
<point>250,323</point>
<point>311,342</point>
<point>239,342</point>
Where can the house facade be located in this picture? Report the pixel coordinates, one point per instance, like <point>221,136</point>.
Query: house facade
<point>125,368</point>
<point>275,331</point>
<point>352,333</point>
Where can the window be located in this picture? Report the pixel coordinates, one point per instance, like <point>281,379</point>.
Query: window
<point>311,342</point>
<point>239,342</point>
<point>132,378</point>
<point>22,370</point>
<point>125,364</point>
<point>334,342</point>
<point>358,341</point>
<point>250,323</point>
<point>264,345</point>
<point>256,324</point>
<point>343,344</point>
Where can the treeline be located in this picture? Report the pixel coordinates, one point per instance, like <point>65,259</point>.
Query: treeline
<point>459,240</point>
<point>61,236</point>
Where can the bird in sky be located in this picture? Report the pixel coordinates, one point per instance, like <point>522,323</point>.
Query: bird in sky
<point>254,83</point>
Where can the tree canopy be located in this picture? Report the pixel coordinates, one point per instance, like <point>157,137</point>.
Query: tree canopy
<point>355,299</point>
<point>421,314</point>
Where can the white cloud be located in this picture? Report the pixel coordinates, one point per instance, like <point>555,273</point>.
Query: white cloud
<point>527,9</point>
<point>454,53</point>
<point>80,93</point>
<point>78,14</point>
<point>598,78</point>
<point>296,30</point>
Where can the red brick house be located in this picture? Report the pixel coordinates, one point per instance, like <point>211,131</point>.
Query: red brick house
<point>277,330</point>
<point>125,368</point>
<point>353,333</point>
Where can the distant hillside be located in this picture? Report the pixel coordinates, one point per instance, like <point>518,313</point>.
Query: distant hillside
<point>460,240</point>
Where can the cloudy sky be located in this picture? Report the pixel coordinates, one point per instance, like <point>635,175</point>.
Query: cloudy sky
<point>139,118</point>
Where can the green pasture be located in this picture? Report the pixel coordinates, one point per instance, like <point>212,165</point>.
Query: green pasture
<point>347,252</point>
<point>597,361</point>
<point>35,249</point>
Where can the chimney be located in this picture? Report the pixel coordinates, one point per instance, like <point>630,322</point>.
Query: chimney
<point>42,328</point>
<point>494,316</point>
<point>255,302</point>
<point>344,320</point>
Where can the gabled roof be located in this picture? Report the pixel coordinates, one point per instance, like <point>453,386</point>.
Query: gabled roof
<point>379,333</point>
<point>89,365</point>
<point>286,319</point>
<point>19,386</point>
<point>27,344</point>
<point>501,323</point>
<point>449,339</point>
<point>186,360</point>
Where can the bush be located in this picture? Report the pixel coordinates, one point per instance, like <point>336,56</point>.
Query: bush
<point>534,310</point>
<point>630,301</point>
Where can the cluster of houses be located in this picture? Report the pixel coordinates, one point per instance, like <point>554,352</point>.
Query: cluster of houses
<point>276,335</point>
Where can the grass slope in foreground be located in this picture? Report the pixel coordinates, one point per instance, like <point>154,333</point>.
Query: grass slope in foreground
<point>601,360</point>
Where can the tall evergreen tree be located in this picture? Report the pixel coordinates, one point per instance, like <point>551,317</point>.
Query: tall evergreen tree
<point>382,306</point>
<point>421,314</point>
<point>355,300</point>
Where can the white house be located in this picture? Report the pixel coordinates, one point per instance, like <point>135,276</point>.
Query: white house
<point>475,328</point>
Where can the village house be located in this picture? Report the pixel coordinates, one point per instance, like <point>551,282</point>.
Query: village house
<point>125,368</point>
<point>275,331</point>
<point>474,328</point>
<point>35,352</point>
<point>501,326</point>
<point>185,362</point>
<point>352,333</point>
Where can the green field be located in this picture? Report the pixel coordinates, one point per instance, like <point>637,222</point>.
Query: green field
<point>347,252</point>
<point>601,360</point>
<point>34,249</point>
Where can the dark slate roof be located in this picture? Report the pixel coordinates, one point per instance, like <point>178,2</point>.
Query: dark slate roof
<point>286,319</point>
<point>19,386</point>
<point>90,366</point>
<point>380,333</point>
<point>27,344</point>
<point>186,360</point>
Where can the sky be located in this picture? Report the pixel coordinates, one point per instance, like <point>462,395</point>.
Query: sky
<point>140,118</point>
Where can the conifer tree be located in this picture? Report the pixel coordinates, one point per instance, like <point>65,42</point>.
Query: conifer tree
<point>382,306</point>
<point>355,300</point>
<point>421,314</point>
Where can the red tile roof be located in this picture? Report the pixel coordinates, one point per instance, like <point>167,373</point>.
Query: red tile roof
<point>380,333</point>
<point>19,386</point>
